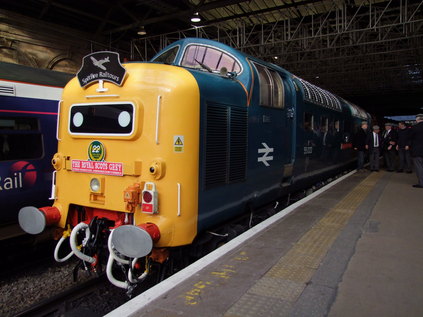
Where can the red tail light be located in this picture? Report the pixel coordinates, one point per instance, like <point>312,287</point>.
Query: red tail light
<point>149,199</point>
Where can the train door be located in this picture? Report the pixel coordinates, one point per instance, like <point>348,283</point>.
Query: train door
<point>275,114</point>
<point>289,131</point>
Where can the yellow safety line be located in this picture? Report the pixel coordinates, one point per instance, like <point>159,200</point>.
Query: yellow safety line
<point>295,269</point>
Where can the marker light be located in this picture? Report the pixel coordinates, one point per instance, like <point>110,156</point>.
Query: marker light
<point>149,199</point>
<point>95,185</point>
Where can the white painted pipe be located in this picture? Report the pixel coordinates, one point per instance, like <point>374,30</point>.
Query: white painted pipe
<point>138,279</point>
<point>56,251</point>
<point>74,247</point>
<point>113,253</point>
<point>110,276</point>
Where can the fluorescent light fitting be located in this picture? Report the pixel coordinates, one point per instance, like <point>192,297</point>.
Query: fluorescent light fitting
<point>195,18</point>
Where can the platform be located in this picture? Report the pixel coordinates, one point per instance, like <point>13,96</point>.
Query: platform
<point>351,249</point>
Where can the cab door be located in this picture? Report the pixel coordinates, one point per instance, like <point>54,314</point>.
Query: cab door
<point>271,137</point>
<point>289,128</point>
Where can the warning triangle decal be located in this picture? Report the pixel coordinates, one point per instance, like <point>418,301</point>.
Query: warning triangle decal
<point>179,141</point>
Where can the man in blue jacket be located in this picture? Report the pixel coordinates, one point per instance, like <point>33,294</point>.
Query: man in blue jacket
<point>416,145</point>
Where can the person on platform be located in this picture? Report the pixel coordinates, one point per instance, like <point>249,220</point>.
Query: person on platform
<point>403,148</point>
<point>359,144</point>
<point>416,146</point>
<point>389,142</point>
<point>374,144</point>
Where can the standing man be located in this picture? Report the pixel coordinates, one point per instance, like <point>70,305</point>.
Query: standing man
<point>389,143</point>
<point>359,143</point>
<point>416,144</point>
<point>373,144</point>
<point>403,148</point>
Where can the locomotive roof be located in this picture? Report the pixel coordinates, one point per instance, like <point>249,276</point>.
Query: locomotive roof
<point>311,92</point>
<point>15,72</point>
<point>232,51</point>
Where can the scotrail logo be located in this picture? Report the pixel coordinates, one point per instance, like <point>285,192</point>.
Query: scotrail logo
<point>22,175</point>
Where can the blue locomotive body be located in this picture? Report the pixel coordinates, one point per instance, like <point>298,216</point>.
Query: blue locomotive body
<point>28,113</point>
<point>263,131</point>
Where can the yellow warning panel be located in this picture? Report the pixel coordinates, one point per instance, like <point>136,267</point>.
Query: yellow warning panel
<point>178,143</point>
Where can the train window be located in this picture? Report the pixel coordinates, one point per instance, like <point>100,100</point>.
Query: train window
<point>324,124</point>
<point>308,121</point>
<point>167,57</point>
<point>265,86</point>
<point>102,119</point>
<point>20,139</point>
<point>271,87</point>
<point>277,101</point>
<point>208,58</point>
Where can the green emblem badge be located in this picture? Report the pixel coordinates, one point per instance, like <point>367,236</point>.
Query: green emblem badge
<point>96,151</point>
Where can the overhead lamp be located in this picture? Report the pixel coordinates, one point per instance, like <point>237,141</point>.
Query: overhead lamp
<point>142,31</point>
<point>195,17</point>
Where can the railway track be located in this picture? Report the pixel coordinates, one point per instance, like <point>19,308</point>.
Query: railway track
<point>64,302</point>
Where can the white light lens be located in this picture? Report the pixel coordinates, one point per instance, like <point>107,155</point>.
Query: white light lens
<point>95,185</point>
<point>78,119</point>
<point>124,119</point>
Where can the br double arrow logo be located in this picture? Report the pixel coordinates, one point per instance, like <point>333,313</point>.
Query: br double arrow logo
<point>265,158</point>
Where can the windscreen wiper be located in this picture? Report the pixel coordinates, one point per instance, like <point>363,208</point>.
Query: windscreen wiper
<point>204,66</point>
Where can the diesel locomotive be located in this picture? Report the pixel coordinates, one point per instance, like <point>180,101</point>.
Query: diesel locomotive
<point>28,112</point>
<point>153,154</point>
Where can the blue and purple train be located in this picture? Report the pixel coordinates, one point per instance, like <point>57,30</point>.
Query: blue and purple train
<point>153,156</point>
<point>28,112</point>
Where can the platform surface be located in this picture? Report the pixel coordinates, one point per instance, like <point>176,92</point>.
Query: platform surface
<point>353,250</point>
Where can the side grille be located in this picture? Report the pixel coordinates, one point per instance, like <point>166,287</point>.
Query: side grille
<point>238,145</point>
<point>226,145</point>
<point>7,90</point>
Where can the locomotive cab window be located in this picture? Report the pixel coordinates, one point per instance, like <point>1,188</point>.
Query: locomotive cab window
<point>113,119</point>
<point>167,57</point>
<point>209,59</point>
<point>20,139</point>
<point>271,87</point>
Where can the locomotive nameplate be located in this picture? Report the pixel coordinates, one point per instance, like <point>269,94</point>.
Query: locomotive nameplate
<point>103,168</point>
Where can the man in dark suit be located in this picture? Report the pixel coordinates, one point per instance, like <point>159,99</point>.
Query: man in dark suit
<point>389,142</point>
<point>416,145</point>
<point>403,148</point>
<point>374,144</point>
<point>359,144</point>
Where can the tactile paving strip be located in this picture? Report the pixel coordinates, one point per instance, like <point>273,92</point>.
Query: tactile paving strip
<point>284,283</point>
<point>277,288</point>
<point>252,305</point>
